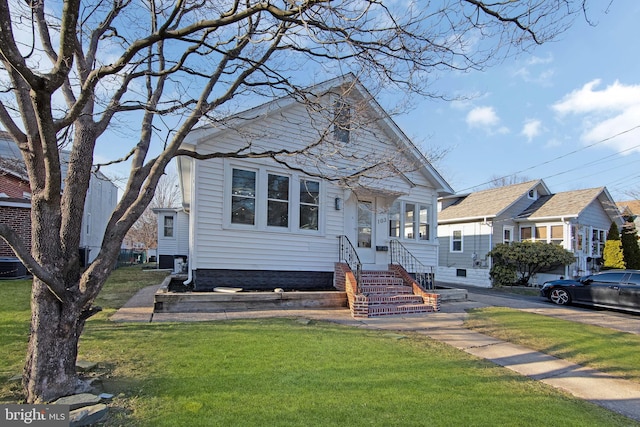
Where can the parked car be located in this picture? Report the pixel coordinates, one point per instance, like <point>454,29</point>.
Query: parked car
<point>619,289</point>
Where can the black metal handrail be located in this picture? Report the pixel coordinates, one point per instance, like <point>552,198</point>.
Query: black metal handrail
<point>401,256</point>
<point>349,256</point>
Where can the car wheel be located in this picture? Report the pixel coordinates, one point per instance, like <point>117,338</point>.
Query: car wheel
<point>560,297</point>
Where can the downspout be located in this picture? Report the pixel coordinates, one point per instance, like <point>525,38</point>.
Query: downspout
<point>490,239</point>
<point>192,210</point>
<point>569,243</point>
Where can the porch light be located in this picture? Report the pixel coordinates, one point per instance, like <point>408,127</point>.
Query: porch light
<point>338,204</point>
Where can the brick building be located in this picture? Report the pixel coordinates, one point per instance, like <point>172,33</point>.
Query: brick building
<point>15,204</point>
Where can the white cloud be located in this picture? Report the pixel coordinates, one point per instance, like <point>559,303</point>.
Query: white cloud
<point>487,119</point>
<point>531,129</point>
<point>535,60</point>
<point>482,117</point>
<point>530,72</point>
<point>605,113</point>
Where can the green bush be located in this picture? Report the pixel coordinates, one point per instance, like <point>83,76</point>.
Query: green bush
<point>527,259</point>
<point>612,254</point>
<point>503,275</point>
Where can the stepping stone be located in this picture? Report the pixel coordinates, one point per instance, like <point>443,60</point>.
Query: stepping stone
<point>78,400</point>
<point>84,365</point>
<point>88,415</point>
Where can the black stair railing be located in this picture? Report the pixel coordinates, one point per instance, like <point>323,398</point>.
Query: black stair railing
<point>349,256</point>
<point>401,256</point>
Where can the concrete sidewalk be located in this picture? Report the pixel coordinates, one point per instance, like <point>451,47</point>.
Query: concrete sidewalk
<point>447,326</point>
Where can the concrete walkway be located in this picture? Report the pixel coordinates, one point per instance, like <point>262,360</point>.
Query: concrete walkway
<point>447,326</point>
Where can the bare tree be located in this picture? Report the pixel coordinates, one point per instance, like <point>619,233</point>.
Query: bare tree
<point>145,230</point>
<point>78,71</point>
<point>503,181</point>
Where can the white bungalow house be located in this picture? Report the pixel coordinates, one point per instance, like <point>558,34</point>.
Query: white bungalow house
<point>470,225</point>
<point>260,223</point>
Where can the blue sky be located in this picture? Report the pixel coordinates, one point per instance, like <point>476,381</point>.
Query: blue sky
<point>552,113</point>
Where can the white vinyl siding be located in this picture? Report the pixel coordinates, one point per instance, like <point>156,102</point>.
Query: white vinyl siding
<point>173,236</point>
<point>304,245</point>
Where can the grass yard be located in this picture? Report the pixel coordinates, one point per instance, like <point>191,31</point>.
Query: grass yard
<point>600,348</point>
<point>290,372</point>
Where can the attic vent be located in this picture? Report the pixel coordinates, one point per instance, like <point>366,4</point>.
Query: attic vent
<point>533,194</point>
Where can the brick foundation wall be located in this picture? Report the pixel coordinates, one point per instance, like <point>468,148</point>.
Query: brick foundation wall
<point>345,281</point>
<point>430,298</point>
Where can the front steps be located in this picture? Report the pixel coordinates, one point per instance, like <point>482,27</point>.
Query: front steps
<point>384,293</point>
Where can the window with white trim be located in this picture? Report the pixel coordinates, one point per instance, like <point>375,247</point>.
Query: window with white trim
<point>456,241</point>
<point>278,201</point>
<point>543,233</point>
<point>309,204</point>
<point>556,233</point>
<point>243,197</point>
<point>507,234</point>
<point>167,226</point>
<point>263,199</point>
<point>598,240</point>
<point>394,220</point>
<point>409,221</point>
<point>526,233</point>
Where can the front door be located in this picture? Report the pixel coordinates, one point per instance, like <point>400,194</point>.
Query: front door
<point>365,232</point>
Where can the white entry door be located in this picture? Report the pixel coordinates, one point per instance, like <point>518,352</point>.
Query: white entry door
<point>366,232</point>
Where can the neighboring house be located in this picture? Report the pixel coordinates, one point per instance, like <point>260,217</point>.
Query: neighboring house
<point>630,209</point>
<point>15,211</point>
<point>15,208</point>
<point>470,225</point>
<point>173,238</point>
<point>257,224</point>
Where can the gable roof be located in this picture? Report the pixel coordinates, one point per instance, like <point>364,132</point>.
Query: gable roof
<point>631,207</point>
<point>348,85</point>
<point>569,204</point>
<point>489,203</point>
<point>11,159</point>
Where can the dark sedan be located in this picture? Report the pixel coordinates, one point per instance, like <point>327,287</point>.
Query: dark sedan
<point>619,289</point>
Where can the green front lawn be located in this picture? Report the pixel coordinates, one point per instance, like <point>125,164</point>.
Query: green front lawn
<point>293,372</point>
<point>597,347</point>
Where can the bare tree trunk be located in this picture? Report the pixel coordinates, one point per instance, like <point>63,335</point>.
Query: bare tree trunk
<point>50,370</point>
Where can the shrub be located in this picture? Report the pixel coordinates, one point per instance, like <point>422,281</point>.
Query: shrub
<point>526,259</point>
<point>612,254</point>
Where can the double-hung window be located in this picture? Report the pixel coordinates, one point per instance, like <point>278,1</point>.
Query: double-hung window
<point>507,234</point>
<point>456,241</point>
<point>243,197</point>
<point>309,204</point>
<point>278,201</point>
<point>263,199</point>
<point>598,240</point>
<point>167,226</point>
<point>409,220</point>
